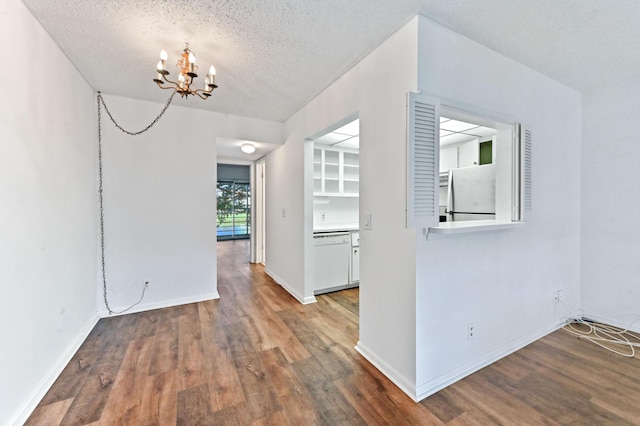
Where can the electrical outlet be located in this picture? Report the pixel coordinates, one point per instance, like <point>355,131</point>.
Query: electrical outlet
<point>471,331</point>
<point>557,295</point>
<point>323,216</point>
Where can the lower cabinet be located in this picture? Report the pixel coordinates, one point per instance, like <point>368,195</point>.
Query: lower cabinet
<point>336,261</point>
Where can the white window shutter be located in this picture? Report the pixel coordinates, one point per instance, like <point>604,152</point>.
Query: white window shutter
<point>522,172</point>
<point>423,164</point>
<point>526,165</point>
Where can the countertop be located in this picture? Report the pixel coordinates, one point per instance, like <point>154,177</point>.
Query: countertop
<point>336,227</point>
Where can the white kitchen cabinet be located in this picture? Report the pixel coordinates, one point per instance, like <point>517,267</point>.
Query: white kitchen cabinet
<point>335,172</point>
<point>331,253</point>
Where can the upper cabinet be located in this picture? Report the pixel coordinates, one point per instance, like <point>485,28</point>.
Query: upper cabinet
<point>335,172</point>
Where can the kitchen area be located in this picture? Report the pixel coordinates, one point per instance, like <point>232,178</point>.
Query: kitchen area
<point>467,171</point>
<point>336,235</point>
<point>467,192</point>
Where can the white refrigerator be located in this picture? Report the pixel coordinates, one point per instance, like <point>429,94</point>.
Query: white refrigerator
<point>471,193</point>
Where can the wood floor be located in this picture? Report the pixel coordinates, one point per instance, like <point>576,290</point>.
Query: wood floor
<point>257,356</point>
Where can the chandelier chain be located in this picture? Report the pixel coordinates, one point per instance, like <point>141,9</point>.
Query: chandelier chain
<point>100,101</point>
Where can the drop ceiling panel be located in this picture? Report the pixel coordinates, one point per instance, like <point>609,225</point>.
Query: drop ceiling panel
<point>331,139</point>
<point>352,143</point>
<point>456,126</point>
<point>456,138</point>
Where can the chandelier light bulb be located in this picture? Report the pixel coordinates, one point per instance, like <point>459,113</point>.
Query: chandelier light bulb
<point>163,55</point>
<point>248,148</point>
<point>212,77</point>
<point>192,58</point>
<point>160,66</point>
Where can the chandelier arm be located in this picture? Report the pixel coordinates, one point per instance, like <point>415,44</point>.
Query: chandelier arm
<point>206,93</point>
<point>199,95</point>
<point>175,83</point>
<point>165,87</point>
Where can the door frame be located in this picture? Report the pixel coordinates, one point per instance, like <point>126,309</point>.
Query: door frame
<point>258,236</point>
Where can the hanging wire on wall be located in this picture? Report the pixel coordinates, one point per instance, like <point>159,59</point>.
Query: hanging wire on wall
<point>101,103</point>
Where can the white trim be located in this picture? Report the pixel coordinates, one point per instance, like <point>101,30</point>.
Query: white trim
<point>400,381</point>
<point>468,226</point>
<point>616,323</point>
<point>23,413</point>
<point>159,305</point>
<point>289,289</point>
<point>442,381</point>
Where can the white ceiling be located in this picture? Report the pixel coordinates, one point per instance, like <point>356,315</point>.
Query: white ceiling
<point>347,136</point>
<point>230,149</point>
<point>455,131</point>
<point>274,56</point>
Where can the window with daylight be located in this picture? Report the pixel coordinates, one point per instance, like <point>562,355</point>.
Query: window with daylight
<point>233,193</point>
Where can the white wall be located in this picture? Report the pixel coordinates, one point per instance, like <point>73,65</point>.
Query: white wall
<point>610,204</point>
<point>159,206</point>
<point>48,208</point>
<point>417,296</point>
<point>160,200</point>
<point>502,281</point>
<point>287,216</point>
<point>336,210</point>
<point>374,90</point>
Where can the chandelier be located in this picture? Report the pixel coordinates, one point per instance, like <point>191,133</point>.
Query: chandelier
<point>187,73</point>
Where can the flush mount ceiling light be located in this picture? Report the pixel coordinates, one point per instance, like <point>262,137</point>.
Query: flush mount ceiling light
<point>248,148</point>
<point>186,73</point>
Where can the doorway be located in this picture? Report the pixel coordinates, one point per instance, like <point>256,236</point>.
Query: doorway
<point>259,236</point>
<point>233,193</point>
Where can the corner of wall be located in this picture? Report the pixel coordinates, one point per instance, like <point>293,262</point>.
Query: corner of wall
<point>27,408</point>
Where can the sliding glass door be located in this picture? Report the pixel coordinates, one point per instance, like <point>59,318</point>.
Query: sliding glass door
<point>234,210</point>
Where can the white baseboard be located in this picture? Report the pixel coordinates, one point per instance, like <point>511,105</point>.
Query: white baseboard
<point>23,413</point>
<point>300,298</point>
<point>418,393</point>
<point>635,327</point>
<point>440,382</point>
<point>405,385</point>
<point>159,305</point>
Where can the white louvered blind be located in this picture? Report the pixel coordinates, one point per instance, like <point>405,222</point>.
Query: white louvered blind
<point>527,169</point>
<point>522,178</point>
<point>423,152</point>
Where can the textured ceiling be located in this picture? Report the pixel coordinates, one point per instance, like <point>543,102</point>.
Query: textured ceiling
<point>274,56</point>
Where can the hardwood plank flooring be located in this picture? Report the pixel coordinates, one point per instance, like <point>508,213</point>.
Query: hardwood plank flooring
<point>258,357</point>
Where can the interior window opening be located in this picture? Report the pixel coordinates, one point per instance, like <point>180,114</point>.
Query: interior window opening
<point>475,167</point>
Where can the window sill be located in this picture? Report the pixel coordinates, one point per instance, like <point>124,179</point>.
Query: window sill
<point>469,226</point>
